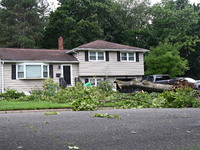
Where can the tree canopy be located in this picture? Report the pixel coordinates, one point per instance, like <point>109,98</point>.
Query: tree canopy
<point>22,23</point>
<point>170,29</point>
<point>165,59</point>
<point>82,21</point>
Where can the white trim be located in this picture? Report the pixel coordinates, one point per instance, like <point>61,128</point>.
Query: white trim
<point>96,54</point>
<point>92,49</point>
<point>71,74</point>
<point>32,64</point>
<point>2,77</point>
<point>29,61</point>
<point>95,80</point>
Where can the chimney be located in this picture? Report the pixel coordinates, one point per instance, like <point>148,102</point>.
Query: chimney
<point>60,43</point>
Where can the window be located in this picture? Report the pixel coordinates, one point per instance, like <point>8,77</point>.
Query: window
<point>97,56</point>
<point>32,71</point>
<point>128,57</point>
<point>96,81</point>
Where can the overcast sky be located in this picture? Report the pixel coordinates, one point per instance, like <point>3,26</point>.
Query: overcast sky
<point>54,3</point>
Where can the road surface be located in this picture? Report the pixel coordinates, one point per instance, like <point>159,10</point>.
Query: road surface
<point>139,129</point>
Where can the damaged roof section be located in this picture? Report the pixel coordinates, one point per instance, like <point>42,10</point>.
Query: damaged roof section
<point>14,54</point>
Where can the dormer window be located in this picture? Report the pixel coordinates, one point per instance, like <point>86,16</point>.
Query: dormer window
<point>96,56</point>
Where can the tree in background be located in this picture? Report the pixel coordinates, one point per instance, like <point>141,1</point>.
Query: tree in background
<point>22,23</point>
<point>165,59</point>
<point>82,21</point>
<point>136,19</point>
<point>176,22</point>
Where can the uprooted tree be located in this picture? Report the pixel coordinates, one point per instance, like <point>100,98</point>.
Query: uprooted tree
<point>151,87</point>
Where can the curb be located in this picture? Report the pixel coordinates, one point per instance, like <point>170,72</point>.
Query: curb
<point>38,110</point>
<point>46,110</point>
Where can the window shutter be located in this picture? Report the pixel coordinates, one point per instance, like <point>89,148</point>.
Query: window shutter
<point>13,72</point>
<point>86,80</point>
<point>86,55</point>
<point>51,71</point>
<point>107,56</point>
<point>137,57</point>
<point>118,56</point>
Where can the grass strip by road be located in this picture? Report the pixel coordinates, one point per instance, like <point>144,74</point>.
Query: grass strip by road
<point>30,105</point>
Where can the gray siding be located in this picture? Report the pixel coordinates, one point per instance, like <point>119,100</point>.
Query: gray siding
<point>111,67</point>
<point>26,85</point>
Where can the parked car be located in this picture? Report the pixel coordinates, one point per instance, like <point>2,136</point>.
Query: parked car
<point>165,79</point>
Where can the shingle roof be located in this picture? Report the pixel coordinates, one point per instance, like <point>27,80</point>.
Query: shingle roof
<point>104,45</point>
<point>35,55</point>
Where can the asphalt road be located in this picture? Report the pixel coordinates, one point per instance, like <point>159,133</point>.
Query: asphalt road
<point>139,129</point>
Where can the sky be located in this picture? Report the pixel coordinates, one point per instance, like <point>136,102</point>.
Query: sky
<point>54,3</point>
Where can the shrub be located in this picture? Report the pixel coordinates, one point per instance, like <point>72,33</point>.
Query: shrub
<point>50,87</point>
<point>106,86</point>
<point>89,99</point>
<point>70,93</point>
<point>178,99</point>
<point>11,94</point>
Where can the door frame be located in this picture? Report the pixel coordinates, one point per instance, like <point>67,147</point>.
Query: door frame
<point>62,72</point>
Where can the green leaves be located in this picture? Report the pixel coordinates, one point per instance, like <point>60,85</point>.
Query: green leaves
<point>165,59</point>
<point>106,115</point>
<point>22,23</point>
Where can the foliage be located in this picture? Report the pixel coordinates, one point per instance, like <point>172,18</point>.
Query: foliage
<point>22,23</point>
<point>106,115</point>
<point>177,22</point>
<point>165,59</point>
<point>89,99</point>
<point>51,113</point>
<point>11,94</point>
<point>106,86</point>
<point>83,21</point>
<point>178,99</point>
<point>50,87</point>
<point>136,100</point>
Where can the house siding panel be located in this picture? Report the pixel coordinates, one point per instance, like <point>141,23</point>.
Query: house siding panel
<point>111,67</point>
<point>26,85</point>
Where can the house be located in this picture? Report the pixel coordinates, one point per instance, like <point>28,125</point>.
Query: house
<point>26,69</point>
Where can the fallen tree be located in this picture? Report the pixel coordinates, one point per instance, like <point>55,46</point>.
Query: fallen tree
<point>130,86</point>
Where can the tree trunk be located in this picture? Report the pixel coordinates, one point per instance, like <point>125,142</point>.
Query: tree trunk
<point>145,85</point>
<point>131,86</point>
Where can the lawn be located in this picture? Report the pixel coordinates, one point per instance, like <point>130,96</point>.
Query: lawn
<point>30,105</point>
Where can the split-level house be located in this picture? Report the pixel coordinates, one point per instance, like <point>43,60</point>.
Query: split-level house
<point>26,69</point>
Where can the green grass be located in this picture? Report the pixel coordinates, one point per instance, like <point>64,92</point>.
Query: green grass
<point>30,105</point>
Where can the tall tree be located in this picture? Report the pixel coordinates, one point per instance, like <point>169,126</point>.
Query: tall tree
<point>136,19</point>
<point>82,21</point>
<point>22,23</point>
<point>175,22</point>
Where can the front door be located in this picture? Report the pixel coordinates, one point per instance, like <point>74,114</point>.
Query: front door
<point>67,74</point>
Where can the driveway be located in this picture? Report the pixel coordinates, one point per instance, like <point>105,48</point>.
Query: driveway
<point>139,129</point>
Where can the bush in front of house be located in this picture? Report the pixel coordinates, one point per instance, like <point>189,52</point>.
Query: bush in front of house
<point>81,98</point>
<point>90,98</point>
<point>11,94</point>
